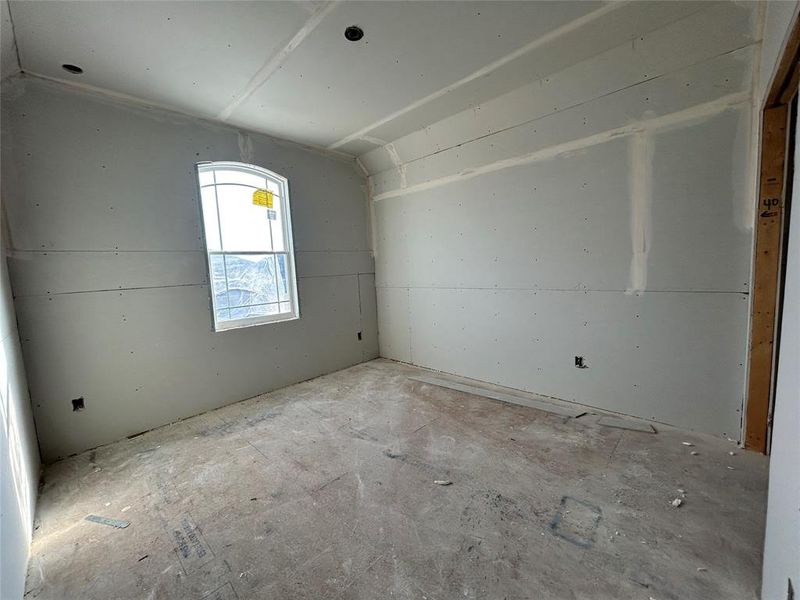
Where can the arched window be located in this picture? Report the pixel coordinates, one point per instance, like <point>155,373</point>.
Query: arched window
<point>248,238</point>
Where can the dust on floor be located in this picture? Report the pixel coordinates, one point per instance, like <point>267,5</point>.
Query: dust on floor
<point>326,490</point>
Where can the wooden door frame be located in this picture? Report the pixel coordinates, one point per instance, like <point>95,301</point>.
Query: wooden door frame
<point>768,231</point>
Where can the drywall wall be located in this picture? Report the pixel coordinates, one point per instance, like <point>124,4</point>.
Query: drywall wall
<point>782,541</point>
<point>19,453</point>
<point>778,20</point>
<point>601,211</point>
<point>9,63</point>
<point>108,270</point>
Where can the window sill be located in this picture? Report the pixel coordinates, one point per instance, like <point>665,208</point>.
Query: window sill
<point>255,323</point>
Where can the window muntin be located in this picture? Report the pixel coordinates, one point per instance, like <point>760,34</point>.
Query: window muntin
<point>248,245</point>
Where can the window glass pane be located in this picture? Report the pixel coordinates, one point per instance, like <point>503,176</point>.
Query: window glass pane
<point>210,222</point>
<point>250,268</point>
<point>235,176</point>
<point>274,187</point>
<point>258,310</point>
<point>276,226</point>
<point>245,226</point>
<point>282,273</point>
<point>216,265</point>
<point>251,279</point>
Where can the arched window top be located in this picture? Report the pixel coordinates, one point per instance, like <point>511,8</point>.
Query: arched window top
<point>248,239</point>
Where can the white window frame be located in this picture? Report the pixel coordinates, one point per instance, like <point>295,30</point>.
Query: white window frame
<point>286,223</point>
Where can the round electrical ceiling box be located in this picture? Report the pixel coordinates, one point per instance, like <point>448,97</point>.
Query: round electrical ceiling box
<point>353,33</point>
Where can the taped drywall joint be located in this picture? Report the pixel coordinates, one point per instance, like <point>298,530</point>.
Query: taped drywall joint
<point>274,62</point>
<point>640,190</point>
<point>676,119</point>
<point>361,168</point>
<point>373,140</point>
<point>483,71</point>
<point>245,147</point>
<point>401,168</point>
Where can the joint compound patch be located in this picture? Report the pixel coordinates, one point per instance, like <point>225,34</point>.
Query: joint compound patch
<point>224,592</point>
<point>576,521</point>
<point>191,547</point>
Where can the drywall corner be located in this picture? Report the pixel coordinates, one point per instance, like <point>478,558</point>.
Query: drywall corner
<point>19,452</point>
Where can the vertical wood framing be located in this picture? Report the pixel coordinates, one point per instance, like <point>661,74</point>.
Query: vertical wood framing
<point>766,275</point>
<point>768,243</point>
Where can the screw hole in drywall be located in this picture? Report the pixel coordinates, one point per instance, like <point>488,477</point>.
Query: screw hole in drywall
<point>74,69</point>
<point>579,363</point>
<point>359,336</point>
<point>77,404</point>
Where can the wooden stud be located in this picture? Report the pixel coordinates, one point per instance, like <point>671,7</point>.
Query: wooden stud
<point>766,275</point>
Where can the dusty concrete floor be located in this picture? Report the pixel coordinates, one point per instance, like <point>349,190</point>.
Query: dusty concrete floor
<point>325,490</point>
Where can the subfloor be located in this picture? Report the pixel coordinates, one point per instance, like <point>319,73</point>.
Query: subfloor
<point>327,490</point>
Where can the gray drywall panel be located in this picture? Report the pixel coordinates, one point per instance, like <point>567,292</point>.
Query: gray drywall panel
<point>556,224</point>
<point>618,229</point>
<point>110,165</point>
<point>623,23</point>
<point>54,272</point>
<point>701,207</point>
<point>19,453</point>
<point>707,82</point>
<point>673,357</point>
<point>565,223</point>
<point>311,96</point>
<point>8,45</point>
<point>368,304</point>
<point>222,45</point>
<point>49,272</point>
<point>394,325</point>
<point>323,264</point>
<point>782,543</point>
<point>778,20</point>
<point>143,358</point>
<point>718,28</point>
<point>109,273</point>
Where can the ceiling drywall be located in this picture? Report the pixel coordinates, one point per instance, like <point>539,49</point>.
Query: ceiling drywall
<point>285,68</point>
<point>8,57</point>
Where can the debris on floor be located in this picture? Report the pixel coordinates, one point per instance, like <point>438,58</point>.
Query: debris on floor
<point>687,443</point>
<point>443,482</point>
<point>694,453</point>
<point>579,527</point>
<point>677,502</point>
<point>118,523</point>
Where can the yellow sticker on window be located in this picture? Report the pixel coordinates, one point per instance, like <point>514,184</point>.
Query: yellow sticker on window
<point>262,197</point>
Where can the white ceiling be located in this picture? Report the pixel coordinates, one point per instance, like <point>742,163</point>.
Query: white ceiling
<point>285,68</point>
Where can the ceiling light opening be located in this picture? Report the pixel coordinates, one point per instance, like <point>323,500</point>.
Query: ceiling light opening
<point>353,33</point>
<point>75,70</point>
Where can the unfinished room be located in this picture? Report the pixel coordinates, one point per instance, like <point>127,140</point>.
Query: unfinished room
<point>414,300</point>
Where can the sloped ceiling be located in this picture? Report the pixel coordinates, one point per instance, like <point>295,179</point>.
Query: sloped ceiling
<point>285,68</point>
